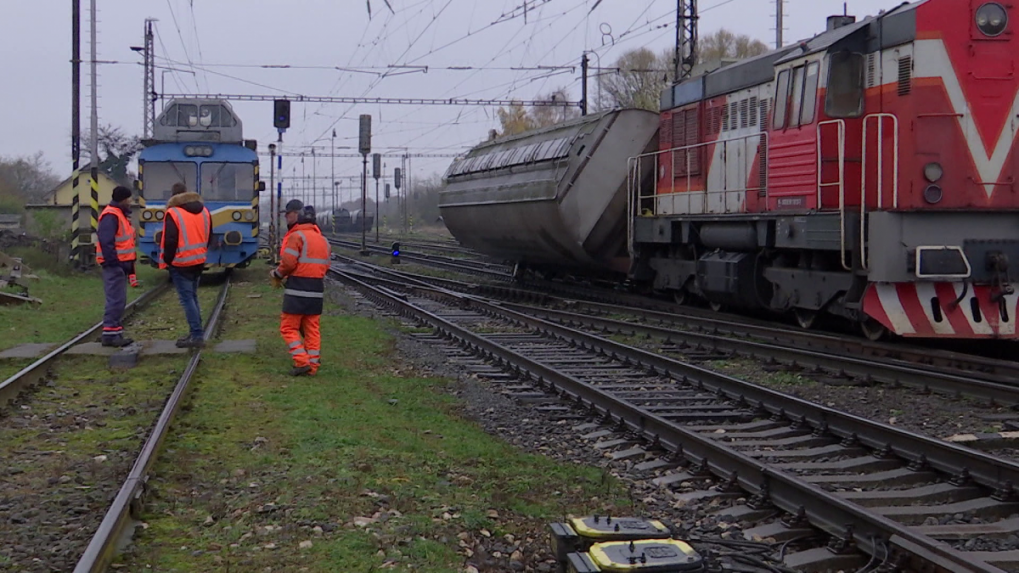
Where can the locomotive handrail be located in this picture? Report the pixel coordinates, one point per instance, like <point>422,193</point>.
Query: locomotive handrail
<point>841,183</point>
<point>880,117</point>
<point>636,164</point>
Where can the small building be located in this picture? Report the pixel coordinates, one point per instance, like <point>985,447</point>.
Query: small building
<point>54,213</point>
<point>63,193</point>
<point>10,222</point>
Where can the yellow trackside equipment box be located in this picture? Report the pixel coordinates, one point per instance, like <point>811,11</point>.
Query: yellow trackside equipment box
<point>579,534</point>
<point>644,556</point>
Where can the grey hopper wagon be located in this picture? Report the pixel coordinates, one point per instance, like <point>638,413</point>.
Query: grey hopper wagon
<point>553,198</point>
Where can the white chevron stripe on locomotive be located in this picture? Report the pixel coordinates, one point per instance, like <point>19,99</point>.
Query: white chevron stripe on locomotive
<point>932,61</point>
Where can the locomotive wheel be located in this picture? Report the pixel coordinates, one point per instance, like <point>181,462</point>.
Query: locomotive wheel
<point>873,329</point>
<point>805,318</point>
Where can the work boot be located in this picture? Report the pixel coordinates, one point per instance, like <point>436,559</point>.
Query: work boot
<point>191,343</point>
<point>300,370</point>
<point>182,340</point>
<point>117,341</point>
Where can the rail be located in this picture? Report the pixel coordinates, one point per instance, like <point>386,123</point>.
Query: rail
<point>787,491</point>
<point>103,546</point>
<point>30,374</point>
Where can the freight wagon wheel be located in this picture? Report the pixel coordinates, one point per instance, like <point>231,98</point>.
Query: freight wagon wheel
<point>679,296</point>
<point>873,329</point>
<point>805,318</point>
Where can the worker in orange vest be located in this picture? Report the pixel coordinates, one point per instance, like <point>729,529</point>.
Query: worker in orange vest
<point>115,253</point>
<point>187,230</point>
<point>304,261</point>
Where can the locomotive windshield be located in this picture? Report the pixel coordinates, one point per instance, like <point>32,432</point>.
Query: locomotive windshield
<point>228,181</point>
<point>161,175</point>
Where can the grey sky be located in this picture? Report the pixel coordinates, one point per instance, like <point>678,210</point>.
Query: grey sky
<point>35,41</point>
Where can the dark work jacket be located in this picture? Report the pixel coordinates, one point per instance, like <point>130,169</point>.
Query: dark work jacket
<point>192,203</point>
<point>107,235</point>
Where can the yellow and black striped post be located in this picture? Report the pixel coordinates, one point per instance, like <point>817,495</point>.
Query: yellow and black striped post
<point>254,204</point>
<point>75,217</point>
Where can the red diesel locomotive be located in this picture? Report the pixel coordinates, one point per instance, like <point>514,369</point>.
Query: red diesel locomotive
<point>869,172</point>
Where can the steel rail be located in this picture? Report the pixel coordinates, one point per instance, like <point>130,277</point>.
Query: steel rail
<point>31,374</point>
<point>887,372</point>
<point>103,547</point>
<point>836,516</point>
<point>832,351</point>
<point>428,260</point>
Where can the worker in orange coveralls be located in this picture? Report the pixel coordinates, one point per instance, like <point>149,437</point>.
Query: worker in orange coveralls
<point>304,260</point>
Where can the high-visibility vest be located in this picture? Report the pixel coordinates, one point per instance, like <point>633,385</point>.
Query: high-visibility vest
<point>192,237</point>
<point>124,240</point>
<point>305,288</point>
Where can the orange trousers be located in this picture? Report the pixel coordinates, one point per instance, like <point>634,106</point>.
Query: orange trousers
<point>304,352</point>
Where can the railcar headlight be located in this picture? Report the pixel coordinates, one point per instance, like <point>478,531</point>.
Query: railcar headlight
<point>236,215</point>
<point>933,172</point>
<point>249,216</point>
<point>992,19</point>
<point>159,215</point>
<point>146,215</point>
<point>190,151</point>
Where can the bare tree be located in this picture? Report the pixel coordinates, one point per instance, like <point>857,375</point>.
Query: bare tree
<point>725,44</point>
<point>637,80</point>
<point>116,150</point>
<point>517,118</point>
<point>28,177</point>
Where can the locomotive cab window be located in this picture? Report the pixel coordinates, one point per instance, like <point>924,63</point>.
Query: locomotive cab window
<point>781,99</point>
<point>809,107</point>
<point>845,85</point>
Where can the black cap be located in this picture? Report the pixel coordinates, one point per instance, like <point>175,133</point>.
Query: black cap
<point>121,193</point>
<point>294,205</point>
<point>307,214</point>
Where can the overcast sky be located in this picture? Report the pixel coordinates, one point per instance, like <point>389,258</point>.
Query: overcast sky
<point>218,38</point>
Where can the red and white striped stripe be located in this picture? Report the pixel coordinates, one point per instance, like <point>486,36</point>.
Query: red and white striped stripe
<point>908,309</point>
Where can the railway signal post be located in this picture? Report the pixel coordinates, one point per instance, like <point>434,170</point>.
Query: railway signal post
<point>365,147</point>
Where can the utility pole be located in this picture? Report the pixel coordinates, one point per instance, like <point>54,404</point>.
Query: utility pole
<point>686,38</point>
<point>76,254</point>
<point>377,172</point>
<point>94,144</point>
<point>365,147</point>
<point>779,23</point>
<point>149,96</point>
<point>583,84</point>
<point>332,177</point>
<point>273,209</point>
<point>314,178</point>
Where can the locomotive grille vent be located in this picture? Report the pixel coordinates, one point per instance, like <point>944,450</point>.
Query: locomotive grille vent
<point>905,75</point>
<point>763,164</point>
<point>744,113</point>
<point>753,111</point>
<point>871,70</point>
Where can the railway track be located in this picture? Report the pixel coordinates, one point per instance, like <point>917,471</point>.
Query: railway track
<point>118,521</point>
<point>31,374</point>
<point>994,382</point>
<point>871,487</point>
<point>470,267</point>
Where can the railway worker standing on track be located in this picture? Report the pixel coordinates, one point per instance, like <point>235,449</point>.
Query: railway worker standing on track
<point>187,230</point>
<point>304,261</point>
<point>115,253</point>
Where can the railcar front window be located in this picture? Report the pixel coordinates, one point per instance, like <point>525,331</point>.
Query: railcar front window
<point>159,177</point>
<point>845,85</point>
<point>228,181</point>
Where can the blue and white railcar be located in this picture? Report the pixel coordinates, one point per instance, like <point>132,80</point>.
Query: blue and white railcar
<point>200,143</point>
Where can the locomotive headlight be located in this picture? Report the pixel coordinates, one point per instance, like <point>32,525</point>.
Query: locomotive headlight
<point>236,215</point>
<point>159,215</point>
<point>146,215</point>
<point>933,194</point>
<point>992,19</point>
<point>249,216</point>
<point>933,172</point>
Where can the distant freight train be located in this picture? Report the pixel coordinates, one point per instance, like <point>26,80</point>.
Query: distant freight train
<point>343,221</point>
<point>868,173</point>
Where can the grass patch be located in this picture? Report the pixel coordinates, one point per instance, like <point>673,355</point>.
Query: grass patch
<point>383,466</point>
